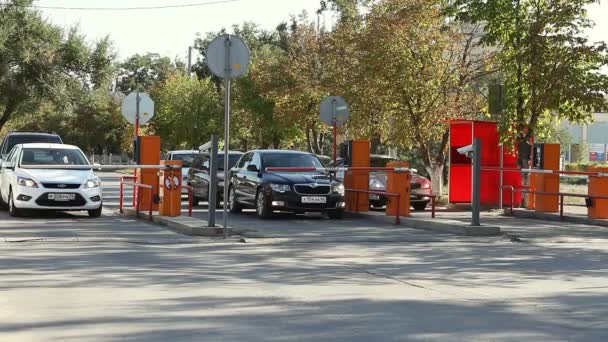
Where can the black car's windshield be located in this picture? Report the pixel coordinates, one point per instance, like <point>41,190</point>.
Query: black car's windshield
<point>232,160</point>
<point>186,158</point>
<point>290,160</point>
<point>52,156</point>
<point>27,139</point>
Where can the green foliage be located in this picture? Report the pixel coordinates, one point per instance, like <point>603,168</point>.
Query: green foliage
<point>548,66</point>
<point>188,111</point>
<point>584,166</point>
<point>144,72</point>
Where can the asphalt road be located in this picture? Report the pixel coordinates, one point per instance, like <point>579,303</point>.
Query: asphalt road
<point>66,277</point>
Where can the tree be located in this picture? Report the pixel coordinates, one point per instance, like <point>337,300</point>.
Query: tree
<point>188,111</point>
<point>418,72</point>
<point>548,66</point>
<point>144,72</point>
<point>38,62</point>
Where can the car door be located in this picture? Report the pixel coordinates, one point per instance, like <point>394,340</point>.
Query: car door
<point>195,177</point>
<point>252,179</point>
<point>238,177</point>
<point>7,174</point>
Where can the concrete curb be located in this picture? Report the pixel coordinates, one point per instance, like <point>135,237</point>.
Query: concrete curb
<point>528,214</point>
<point>439,225</point>
<point>184,225</point>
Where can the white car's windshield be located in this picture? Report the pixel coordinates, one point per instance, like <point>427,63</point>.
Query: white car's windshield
<point>50,156</point>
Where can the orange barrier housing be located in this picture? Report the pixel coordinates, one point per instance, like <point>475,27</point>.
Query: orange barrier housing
<point>598,186</point>
<point>356,179</point>
<point>171,190</point>
<point>149,150</point>
<point>398,183</point>
<point>548,182</point>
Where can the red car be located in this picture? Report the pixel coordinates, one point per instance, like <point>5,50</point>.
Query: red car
<point>420,186</point>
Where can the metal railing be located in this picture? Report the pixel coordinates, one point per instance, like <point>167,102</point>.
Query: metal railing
<point>190,198</point>
<point>560,194</point>
<point>136,197</point>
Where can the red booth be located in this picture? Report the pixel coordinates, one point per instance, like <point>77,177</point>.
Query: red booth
<point>462,133</point>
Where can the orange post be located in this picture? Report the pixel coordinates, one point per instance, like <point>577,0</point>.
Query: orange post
<point>358,180</point>
<point>533,182</point>
<point>171,190</point>
<point>149,155</point>
<point>598,186</point>
<point>398,183</point>
<point>548,182</point>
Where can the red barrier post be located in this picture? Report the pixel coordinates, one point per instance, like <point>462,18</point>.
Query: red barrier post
<point>121,195</point>
<point>397,217</point>
<point>561,207</point>
<point>151,201</point>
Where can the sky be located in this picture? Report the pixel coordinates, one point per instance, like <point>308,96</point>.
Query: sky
<point>170,31</point>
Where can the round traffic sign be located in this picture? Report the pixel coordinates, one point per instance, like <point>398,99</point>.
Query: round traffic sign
<point>231,49</point>
<point>334,109</point>
<point>146,108</point>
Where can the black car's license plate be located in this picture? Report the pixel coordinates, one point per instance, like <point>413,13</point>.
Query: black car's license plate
<point>314,199</point>
<point>62,197</point>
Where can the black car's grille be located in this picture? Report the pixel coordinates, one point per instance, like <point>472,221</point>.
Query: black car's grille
<point>416,186</point>
<point>312,189</point>
<point>60,186</point>
<point>44,201</point>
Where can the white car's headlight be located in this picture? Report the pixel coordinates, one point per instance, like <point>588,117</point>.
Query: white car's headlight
<point>92,183</point>
<point>376,184</point>
<point>26,182</point>
<point>339,189</point>
<point>280,187</point>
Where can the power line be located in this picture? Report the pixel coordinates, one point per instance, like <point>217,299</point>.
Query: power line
<point>198,4</point>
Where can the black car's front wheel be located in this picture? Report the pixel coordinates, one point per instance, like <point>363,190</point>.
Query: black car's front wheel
<point>335,214</point>
<point>261,205</point>
<point>233,205</point>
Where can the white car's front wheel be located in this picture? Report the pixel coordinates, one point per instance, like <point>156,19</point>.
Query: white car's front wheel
<point>96,212</point>
<point>12,210</point>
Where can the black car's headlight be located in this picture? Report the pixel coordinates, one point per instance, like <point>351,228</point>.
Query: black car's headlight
<point>282,188</point>
<point>339,189</point>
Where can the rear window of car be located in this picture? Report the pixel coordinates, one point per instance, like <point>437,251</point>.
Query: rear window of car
<point>186,158</point>
<point>13,140</point>
<point>380,162</point>
<point>52,156</point>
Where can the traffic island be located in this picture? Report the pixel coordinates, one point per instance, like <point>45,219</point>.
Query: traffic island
<point>449,226</point>
<point>181,224</point>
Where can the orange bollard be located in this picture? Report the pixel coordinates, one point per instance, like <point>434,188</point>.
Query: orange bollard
<point>548,182</point>
<point>358,180</point>
<point>149,155</point>
<point>398,183</point>
<point>598,186</point>
<point>171,190</point>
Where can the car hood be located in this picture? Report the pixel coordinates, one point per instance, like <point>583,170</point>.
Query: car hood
<point>57,176</point>
<point>299,178</point>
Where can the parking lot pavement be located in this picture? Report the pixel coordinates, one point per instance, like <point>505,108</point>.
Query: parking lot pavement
<point>113,279</point>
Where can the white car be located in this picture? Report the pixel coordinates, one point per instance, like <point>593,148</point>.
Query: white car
<point>187,157</point>
<point>49,177</point>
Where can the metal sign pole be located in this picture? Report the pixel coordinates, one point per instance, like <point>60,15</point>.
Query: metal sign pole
<point>227,77</point>
<point>333,115</point>
<point>476,204</point>
<point>213,181</point>
<point>137,100</point>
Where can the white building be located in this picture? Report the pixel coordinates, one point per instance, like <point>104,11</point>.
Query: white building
<point>594,137</point>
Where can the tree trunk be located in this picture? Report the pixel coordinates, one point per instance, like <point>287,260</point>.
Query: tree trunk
<point>6,115</point>
<point>436,173</point>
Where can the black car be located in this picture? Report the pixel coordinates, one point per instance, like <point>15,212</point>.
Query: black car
<point>25,137</point>
<point>199,177</point>
<point>252,186</point>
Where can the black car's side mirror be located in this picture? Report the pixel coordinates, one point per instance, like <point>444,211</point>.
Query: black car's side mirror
<point>252,168</point>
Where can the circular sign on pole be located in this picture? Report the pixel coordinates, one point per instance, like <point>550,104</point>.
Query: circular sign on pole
<point>228,56</point>
<point>146,108</point>
<point>334,109</point>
